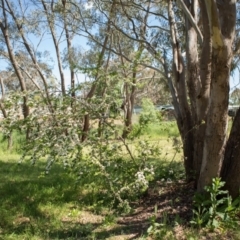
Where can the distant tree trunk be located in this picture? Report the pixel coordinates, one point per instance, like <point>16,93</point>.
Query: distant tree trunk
<point>70,55</point>
<point>102,120</point>
<point>9,137</point>
<point>86,119</point>
<point>5,30</point>
<point>128,108</point>
<point>130,95</point>
<point>32,55</point>
<point>10,141</point>
<point>86,125</point>
<point>51,26</point>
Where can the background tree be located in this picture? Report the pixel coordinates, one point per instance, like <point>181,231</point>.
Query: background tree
<point>235,97</point>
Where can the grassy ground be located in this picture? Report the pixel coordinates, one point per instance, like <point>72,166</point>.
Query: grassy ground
<point>34,205</point>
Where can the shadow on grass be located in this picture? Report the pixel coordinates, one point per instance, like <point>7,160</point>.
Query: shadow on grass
<point>85,233</point>
<point>52,207</point>
<point>24,190</point>
<point>171,208</point>
<point>33,204</point>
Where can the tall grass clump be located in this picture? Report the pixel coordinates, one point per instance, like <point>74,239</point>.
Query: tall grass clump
<point>18,140</point>
<point>151,123</point>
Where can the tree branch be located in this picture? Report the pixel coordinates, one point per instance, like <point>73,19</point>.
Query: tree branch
<point>191,19</point>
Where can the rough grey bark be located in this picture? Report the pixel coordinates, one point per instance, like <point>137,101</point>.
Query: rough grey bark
<point>231,164</point>
<point>193,80</point>
<point>202,96</point>
<point>185,123</point>
<point>222,21</point>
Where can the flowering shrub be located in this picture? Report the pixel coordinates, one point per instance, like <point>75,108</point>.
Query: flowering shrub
<point>117,166</point>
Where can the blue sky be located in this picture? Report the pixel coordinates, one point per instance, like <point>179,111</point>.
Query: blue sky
<point>47,45</point>
<point>234,80</point>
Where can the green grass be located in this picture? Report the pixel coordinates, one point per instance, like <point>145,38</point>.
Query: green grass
<point>55,206</point>
<point>163,129</point>
<point>18,139</point>
<point>60,205</point>
<point>34,205</point>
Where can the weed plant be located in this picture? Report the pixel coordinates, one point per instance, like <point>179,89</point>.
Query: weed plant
<point>215,208</point>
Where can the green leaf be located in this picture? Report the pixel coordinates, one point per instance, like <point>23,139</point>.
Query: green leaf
<point>215,223</point>
<point>149,230</point>
<point>221,215</point>
<point>211,210</point>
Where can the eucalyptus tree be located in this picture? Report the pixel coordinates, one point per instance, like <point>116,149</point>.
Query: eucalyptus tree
<point>212,86</point>
<point>57,17</point>
<point>235,97</point>
<point>130,88</point>
<point>18,27</point>
<point>5,25</point>
<point>198,80</point>
<point>202,93</point>
<point>209,53</point>
<point>130,53</point>
<point>26,26</point>
<point>192,45</point>
<point>86,21</point>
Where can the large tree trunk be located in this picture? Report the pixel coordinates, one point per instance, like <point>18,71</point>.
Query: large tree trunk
<point>193,80</point>
<point>194,85</point>
<point>222,21</point>
<point>202,96</point>
<point>184,119</point>
<point>231,164</point>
